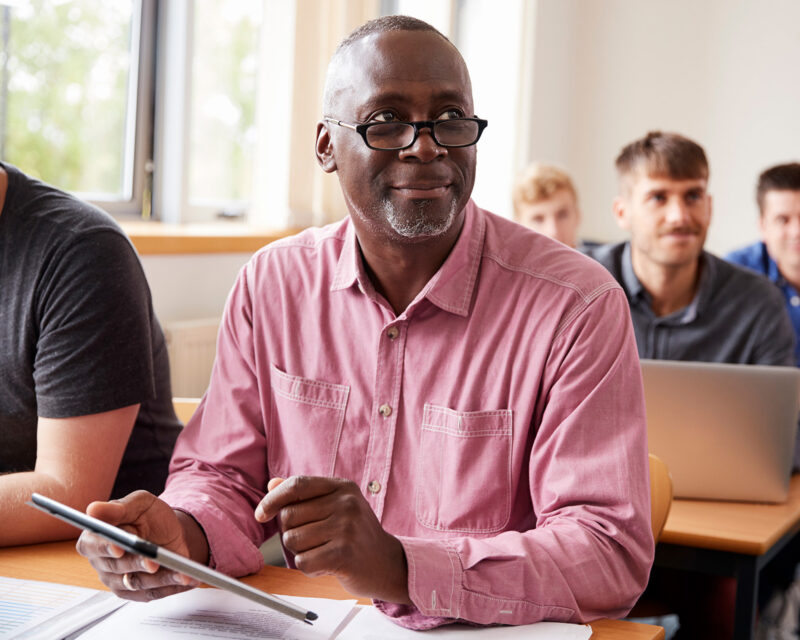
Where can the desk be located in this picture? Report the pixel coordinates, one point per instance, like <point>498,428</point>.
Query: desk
<point>731,539</point>
<point>59,562</point>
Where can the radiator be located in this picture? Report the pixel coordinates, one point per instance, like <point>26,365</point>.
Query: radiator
<point>192,345</point>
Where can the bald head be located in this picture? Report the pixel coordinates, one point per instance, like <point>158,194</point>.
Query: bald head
<point>340,69</point>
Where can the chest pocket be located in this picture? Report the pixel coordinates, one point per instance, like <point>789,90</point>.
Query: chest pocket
<point>305,424</point>
<point>463,480</point>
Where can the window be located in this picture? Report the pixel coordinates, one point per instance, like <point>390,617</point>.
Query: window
<point>207,108</point>
<point>70,96</point>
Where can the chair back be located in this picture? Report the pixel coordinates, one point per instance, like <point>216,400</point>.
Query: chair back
<point>185,408</point>
<point>660,495</point>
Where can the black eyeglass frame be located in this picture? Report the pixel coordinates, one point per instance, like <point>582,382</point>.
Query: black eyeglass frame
<point>361,129</point>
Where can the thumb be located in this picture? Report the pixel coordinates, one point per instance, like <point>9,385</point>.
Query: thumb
<point>273,483</point>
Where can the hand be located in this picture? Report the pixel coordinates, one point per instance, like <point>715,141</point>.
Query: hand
<point>330,528</point>
<point>128,575</point>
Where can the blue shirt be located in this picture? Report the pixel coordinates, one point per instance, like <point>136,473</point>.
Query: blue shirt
<point>756,257</point>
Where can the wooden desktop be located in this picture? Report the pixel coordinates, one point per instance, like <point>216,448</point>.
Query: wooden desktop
<point>59,562</point>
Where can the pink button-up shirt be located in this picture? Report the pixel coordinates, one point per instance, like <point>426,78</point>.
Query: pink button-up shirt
<point>496,426</point>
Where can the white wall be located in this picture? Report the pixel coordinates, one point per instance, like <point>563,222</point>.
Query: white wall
<point>188,287</point>
<point>726,74</point>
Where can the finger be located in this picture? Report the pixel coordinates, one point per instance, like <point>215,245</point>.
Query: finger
<point>306,512</point>
<point>148,594</point>
<point>140,581</point>
<point>294,489</point>
<point>322,560</point>
<point>274,482</point>
<point>306,537</point>
<point>90,545</point>
<point>126,564</point>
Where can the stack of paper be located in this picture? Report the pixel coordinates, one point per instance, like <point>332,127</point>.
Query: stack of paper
<point>45,611</point>
<point>36,610</point>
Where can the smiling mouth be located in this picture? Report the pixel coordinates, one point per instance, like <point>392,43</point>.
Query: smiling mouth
<point>421,192</point>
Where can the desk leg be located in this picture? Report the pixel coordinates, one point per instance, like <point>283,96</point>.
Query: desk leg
<point>744,626</point>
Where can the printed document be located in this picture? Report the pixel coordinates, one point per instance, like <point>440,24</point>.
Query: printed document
<point>212,613</point>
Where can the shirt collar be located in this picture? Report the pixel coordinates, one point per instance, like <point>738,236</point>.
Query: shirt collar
<point>705,288</point>
<point>451,286</point>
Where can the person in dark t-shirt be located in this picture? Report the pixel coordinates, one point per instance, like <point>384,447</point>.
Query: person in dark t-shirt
<point>85,401</point>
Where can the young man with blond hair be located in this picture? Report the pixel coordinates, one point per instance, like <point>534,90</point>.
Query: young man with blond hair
<point>545,200</point>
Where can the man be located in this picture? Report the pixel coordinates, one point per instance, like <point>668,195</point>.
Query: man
<point>777,255</point>
<point>545,201</point>
<point>85,402</point>
<point>455,402</point>
<point>686,304</point>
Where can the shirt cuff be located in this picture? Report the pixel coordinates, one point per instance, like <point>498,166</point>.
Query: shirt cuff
<point>434,586</point>
<point>230,551</point>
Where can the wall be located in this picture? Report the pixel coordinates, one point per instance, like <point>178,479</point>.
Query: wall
<point>187,287</point>
<point>724,73</point>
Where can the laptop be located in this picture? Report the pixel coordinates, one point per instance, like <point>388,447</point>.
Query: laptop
<point>725,431</point>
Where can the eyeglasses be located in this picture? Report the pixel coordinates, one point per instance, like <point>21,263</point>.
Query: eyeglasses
<point>394,136</point>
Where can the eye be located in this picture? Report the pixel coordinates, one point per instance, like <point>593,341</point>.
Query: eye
<point>384,116</point>
<point>450,114</point>
<point>693,196</point>
<point>658,198</point>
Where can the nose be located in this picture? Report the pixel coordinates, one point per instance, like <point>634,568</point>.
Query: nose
<point>424,148</point>
<point>677,211</point>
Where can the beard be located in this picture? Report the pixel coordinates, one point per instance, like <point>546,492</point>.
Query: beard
<point>422,221</point>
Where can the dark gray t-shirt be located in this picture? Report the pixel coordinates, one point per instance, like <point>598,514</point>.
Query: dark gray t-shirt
<point>737,316</point>
<point>78,334</point>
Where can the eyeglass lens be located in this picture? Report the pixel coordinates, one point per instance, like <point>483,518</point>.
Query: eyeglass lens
<point>394,135</point>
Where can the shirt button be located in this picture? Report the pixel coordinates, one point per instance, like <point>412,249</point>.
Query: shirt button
<point>385,410</point>
<point>795,300</point>
<point>374,487</point>
<point>392,332</point>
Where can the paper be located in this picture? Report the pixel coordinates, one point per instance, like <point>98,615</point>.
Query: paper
<point>371,624</point>
<point>35,610</point>
<point>212,613</point>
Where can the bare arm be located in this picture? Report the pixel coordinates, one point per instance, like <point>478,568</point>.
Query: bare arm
<point>77,460</point>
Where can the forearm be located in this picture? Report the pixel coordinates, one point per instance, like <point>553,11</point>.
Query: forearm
<point>25,525</point>
<point>194,536</point>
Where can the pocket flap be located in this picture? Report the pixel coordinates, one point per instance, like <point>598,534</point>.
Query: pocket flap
<point>466,424</point>
<point>322,394</point>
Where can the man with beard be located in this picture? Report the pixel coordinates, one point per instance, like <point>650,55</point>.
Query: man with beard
<point>686,304</point>
<point>443,409</point>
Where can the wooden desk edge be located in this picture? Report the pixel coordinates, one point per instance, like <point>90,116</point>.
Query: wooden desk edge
<point>739,541</point>
<point>156,238</point>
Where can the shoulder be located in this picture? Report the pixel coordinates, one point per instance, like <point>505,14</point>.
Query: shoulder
<point>307,246</point>
<point>751,256</point>
<point>54,217</point>
<point>527,254</point>
<point>738,282</point>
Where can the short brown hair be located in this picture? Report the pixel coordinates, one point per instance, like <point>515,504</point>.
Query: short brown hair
<point>539,182</point>
<point>664,155</point>
<point>781,177</point>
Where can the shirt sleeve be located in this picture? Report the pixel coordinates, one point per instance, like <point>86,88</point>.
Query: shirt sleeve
<point>218,471</point>
<point>93,350</point>
<point>590,553</point>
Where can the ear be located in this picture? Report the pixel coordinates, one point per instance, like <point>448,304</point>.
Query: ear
<point>619,208</point>
<point>324,148</point>
<point>762,228</point>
